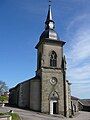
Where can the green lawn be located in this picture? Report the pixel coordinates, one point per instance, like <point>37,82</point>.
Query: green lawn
<point>14,115</point>
<point>4,98</point>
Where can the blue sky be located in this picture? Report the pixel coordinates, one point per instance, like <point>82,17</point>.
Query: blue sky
<point>21,24</point>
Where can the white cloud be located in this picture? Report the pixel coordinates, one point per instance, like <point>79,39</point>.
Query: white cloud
<point>78,56</point>
<point>74,21</point>
<point>80,73</point>
<point>81,47</point>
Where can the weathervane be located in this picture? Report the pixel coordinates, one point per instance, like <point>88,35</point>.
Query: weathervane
<point>50,2</point>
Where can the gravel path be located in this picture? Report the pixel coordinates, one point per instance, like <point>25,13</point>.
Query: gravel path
<point>30,115</point>
<point>82,116</point>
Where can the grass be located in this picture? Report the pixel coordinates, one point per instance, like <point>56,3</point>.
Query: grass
<point>4,98</point>
<point>14,115</point>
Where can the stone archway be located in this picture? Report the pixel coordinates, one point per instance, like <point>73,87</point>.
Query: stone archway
<point>53,98</point>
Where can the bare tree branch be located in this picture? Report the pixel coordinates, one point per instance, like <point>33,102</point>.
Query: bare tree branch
<point>3,87</point>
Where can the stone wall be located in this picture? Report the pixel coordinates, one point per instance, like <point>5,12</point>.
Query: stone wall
<point>6,117</point>
<point>68,99</point>
<point>47,48</point>
<point>14,95</point>
<point>48,88</point>
<point>35,95</point>
<point>24,94</point>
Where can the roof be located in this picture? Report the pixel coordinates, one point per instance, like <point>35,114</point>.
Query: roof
<point>85,102</point>
<point>34,78</point>
<point>49,31</point>
<point>74,98</point>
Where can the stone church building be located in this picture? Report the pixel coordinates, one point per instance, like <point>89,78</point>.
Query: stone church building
<point>49,91</point>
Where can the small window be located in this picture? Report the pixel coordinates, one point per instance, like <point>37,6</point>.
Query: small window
<point>53,59</point>
<point>39,59</point>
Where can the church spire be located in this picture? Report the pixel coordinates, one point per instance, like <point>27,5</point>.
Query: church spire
<point>49,32</point>
<point>49,24</point>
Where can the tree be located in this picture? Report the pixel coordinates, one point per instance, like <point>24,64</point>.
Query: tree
<point>3,87</point>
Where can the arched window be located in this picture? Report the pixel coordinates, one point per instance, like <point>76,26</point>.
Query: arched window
<point>53,59</point>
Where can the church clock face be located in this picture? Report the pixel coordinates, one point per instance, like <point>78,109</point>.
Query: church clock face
<point>51,25</point>
<point>53,81</point>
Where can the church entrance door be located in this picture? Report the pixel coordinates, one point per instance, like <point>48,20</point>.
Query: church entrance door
<point>53,107</point>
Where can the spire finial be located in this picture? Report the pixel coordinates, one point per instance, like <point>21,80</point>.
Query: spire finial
<point>50,2</point>
<point>49,21</point>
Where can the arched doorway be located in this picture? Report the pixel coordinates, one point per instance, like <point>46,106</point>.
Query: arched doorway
<point>53,107</point>
<point>53,103</point>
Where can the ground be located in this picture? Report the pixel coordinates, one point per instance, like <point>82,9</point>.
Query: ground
<point>30,115</point>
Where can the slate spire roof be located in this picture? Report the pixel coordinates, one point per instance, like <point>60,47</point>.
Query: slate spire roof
<point>49,31</point>
<point>49,20</point>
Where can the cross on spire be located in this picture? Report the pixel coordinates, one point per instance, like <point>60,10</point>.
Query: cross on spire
<point>50,2</point>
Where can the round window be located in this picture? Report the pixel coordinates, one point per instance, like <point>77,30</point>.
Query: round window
<point>53,81</point>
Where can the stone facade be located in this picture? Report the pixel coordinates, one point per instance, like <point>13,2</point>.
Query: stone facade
<point>35,94</point>
<point>26,95</point>
<point>47,73</point>
<point>68,98</point>
<point>14,95</point>
<point>48,89</point>
<point>74,104</point>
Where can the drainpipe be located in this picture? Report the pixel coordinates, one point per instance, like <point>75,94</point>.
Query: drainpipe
<point>64,82</point>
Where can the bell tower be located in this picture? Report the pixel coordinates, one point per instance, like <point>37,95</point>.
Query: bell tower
<point>50,69</point>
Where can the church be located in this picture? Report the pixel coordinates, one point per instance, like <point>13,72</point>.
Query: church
<point>49,91</point>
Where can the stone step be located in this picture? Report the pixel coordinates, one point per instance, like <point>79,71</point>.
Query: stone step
<point>6,117</point>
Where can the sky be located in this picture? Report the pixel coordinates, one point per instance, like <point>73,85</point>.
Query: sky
<point>21,24</point>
